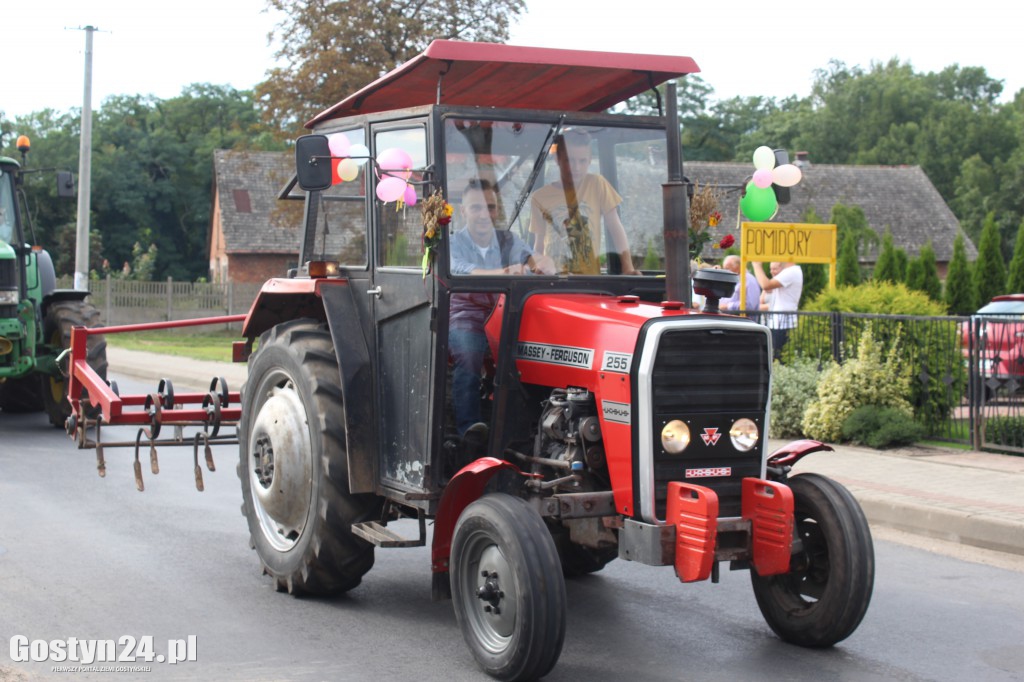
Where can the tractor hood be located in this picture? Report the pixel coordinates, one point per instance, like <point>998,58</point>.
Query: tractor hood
<point>571,338</point>
<point>7,251</point>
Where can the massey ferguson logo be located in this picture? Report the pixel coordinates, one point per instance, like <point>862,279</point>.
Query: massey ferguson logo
<point>710,435</point>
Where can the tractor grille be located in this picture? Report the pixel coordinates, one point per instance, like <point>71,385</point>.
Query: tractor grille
<point>8,274</point>
<point>709,378</point>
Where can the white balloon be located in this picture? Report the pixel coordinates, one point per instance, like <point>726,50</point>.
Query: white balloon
<point>359,150</point>
<point>764,158</point>
<point>786,175</point>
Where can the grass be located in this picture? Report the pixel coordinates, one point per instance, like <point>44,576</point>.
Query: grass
<point>199,345</point>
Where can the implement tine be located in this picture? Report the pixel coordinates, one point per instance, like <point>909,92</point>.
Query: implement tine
<point>195,460</point>
<point>138,465</point>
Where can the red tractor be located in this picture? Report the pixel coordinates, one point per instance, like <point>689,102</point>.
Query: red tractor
<point>608,418</point>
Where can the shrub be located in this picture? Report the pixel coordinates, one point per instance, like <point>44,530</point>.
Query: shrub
<point>1005,431</point>
<point>874,377</point>
<point>881,427</point>
<point>793,387</point>
<point>930,351</point>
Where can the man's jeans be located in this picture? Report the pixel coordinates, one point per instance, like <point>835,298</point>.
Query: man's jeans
<point>467,347</point>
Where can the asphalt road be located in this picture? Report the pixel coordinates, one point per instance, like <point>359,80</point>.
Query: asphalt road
<point>93,558</point>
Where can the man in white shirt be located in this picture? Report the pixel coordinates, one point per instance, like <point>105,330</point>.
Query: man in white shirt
<point>785,289</point>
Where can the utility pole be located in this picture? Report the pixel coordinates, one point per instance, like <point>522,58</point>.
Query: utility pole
<point>84,173</point>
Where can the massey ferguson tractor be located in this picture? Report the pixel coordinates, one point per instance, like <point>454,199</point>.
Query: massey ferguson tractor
<point>616,421</point>
<point>36,317</point>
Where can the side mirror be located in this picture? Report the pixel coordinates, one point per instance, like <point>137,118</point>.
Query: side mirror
<point>65,184</point>
<point>313,162</point>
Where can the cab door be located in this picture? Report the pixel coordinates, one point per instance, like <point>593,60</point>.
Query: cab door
<point>402,301</point>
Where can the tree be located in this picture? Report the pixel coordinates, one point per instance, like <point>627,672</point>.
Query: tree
<point>961,297</point>
<point>989,269</point>
<point>932,284</point>
<point>887,267</point>
<point>1015,280</point>
<point>851,220</point>
<point>329,49</point>
<point>915,275</point>
<point>848,268</point>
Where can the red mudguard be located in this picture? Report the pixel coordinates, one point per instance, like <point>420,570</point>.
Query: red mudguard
<point>693,510</point>
<point>769,507</point>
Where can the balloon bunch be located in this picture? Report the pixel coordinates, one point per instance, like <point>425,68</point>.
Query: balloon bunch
<point>394,170</point>
<point>759,201</point>
<point>347,159</point>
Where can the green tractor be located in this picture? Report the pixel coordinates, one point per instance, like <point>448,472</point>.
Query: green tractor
<point>36,317</point>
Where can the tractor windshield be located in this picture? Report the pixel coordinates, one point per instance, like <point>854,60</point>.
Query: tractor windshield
<point>579,199</point>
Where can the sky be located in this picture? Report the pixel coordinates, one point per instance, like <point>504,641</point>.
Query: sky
<point>744,48</point>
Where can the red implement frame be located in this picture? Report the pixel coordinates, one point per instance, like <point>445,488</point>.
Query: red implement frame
<point>209,411</point>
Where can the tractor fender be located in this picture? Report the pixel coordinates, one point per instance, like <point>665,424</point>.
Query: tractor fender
<point>47,273</point>
<point>463,489</point>
<point>791,453</point>
<point>281,300</point>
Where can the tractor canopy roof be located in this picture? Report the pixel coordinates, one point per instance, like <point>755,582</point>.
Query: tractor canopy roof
<point>455,72</point>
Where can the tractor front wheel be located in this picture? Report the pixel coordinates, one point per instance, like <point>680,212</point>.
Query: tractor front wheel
<point>293,465</point>
<point>823,598</point>
<point>507,588</point>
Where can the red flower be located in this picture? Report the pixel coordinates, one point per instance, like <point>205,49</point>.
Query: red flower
<point>726,242</point>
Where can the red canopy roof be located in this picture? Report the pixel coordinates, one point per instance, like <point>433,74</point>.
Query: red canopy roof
<point>509,76</point>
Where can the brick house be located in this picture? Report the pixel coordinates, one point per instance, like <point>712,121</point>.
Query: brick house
<point>253,234</point>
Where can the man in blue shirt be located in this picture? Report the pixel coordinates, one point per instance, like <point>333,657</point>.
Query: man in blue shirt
<point>479,249</point>
<point>732,264</point>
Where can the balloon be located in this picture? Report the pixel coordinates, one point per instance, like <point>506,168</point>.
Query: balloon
<point>763,178</point>
<point>338,144</point>
<point>758,204</point>
<point>360,153</point>
<point>786,175</point>
<point>410,195</point>
<point>348,169</point>
<point>390,189</point>
<point>764,158</point>
<point>393,160</point>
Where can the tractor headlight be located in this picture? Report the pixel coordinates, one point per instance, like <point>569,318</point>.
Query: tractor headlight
<point>744,434</point>
<point>675,436</point>
<point>8,297</point>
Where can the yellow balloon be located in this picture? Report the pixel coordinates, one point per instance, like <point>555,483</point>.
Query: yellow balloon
<point>348,170</point>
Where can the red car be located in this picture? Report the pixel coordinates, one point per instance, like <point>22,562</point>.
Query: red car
<point>999,326</point>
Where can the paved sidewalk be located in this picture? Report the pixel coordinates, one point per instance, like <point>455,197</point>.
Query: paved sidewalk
<point>972,498</point>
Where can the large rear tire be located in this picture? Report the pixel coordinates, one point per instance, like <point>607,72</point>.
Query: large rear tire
<point>293,465</point>
<point>823,598</point>
<point>507,588</point>
<point>61,316</point>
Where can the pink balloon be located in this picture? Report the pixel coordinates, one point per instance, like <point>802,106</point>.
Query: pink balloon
<point>389,189</point>
<point>395,159</point>
<point>410,195</point>
<point>763,178</point>
<point>339,144</point>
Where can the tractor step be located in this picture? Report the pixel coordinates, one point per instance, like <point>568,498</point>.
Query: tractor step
<point>382,536</point>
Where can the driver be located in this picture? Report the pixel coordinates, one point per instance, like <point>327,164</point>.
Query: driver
<point>480,249</point>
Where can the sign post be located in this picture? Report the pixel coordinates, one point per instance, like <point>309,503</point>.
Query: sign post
<point>787,243</point>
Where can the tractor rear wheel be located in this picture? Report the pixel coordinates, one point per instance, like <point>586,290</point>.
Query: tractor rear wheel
<point>507,588</point>
<point>293,465</point>
<point>823,598</point>
<point>61,316</point>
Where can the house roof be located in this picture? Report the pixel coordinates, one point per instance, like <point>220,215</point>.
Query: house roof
<point>512,77</point>
<point>900,198</point>
<point>252,218</point>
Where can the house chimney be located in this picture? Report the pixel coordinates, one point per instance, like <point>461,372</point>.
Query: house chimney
<point>803,160</point>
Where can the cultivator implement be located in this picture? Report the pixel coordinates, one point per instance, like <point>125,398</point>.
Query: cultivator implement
<point>161,417</point>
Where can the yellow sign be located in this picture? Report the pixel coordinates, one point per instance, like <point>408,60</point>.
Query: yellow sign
<point>788,242</point>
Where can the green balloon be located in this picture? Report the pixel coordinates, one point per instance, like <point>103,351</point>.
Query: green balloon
<point>759,204</point>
